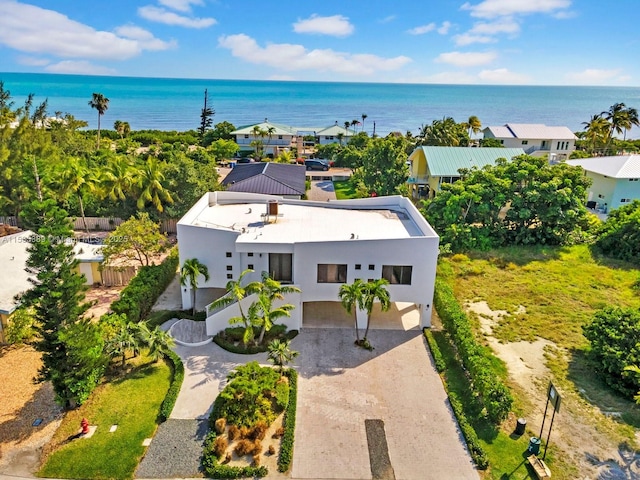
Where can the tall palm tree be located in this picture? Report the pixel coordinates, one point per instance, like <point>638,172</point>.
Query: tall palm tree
<point>596,131</point>
<point>633,120</point>
<point>191,270</point>
<point>352,299</point>
<point>474,125</point>
<point>236,292</point>
<point>72,177</point>
<point>372,292</point>
<point>149,184</point>
<point>354,124</point>
<point>118,178</point>
<point>347,124</point>
<point>123,128</point>
<point>363,116</point>
<point>271,290</point>
<point>101,104</point>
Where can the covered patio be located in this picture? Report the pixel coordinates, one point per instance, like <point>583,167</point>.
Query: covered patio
<point>401,316</point>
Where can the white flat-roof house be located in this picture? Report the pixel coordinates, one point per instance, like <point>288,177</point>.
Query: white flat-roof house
<point>316,246</point>
<point>535,139</point>
<point>615,180</point>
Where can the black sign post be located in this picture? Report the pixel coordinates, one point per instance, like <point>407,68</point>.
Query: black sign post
<point>554,398</point>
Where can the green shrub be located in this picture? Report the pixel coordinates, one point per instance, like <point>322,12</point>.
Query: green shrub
<point>174,389</point>
<point>228,338</point>
<point>435,351</point>
<point>213,469</point>
<point>286,445</point>
<point>137,298</point>
<point>496,398</point>
<point>20,328</point>
<point>478,454</point>
<point>619,236</point>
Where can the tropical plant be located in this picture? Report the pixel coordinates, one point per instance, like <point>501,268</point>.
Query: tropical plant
<point>474,125</point>
<point>101,104</point>
<point>375,291</point>
<point>191,270</point>
<point>149,185</point>
<point>363,116</point>
<point>352,299</point>
<point>138,240</point>
<point>72,176</point>
<point>158,342</point>
<point>269,291</point>
<point>206,116</point>
<point>118,178</point>
<point>596,132</point>
<point>280,353</point>
<point>619,236</point>
<point>123,128</point>
<point>236,292</point>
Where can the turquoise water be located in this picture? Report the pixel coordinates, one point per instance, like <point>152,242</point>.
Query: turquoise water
<point>174,104</point>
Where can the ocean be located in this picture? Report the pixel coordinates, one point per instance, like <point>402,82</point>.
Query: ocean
<point>174,104</point>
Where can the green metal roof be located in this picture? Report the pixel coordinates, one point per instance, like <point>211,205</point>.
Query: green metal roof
<point>446,161</point>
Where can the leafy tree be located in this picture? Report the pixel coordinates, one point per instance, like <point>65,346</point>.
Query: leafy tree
<point>444,133</point>
<point>491,143</point>
<point>221,131</point>
<point>223,149</point>
<point>191,270</point>
<point>206,116</point>
<point>619,236</point>
<point>73,177</point>
<point>71,347</point>
<point>280,353</point>
<point>21,328</point>
<point>383,168</point>
<point>137,240</point>
<point>614,334</point>
<point>524,201</point>
<point>236,292</point>
<point>101,104</point>
<point>120,336</point>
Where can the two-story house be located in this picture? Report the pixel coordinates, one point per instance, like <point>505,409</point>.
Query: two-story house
<point>535,139</point>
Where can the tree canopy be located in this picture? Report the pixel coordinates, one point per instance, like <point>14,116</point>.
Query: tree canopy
<point>619,236</point>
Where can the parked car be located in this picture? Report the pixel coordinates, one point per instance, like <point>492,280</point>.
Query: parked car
<point>314,164</point>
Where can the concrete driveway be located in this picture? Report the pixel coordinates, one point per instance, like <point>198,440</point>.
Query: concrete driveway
<point>341,386</point>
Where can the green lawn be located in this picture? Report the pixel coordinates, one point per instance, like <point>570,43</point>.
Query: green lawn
<point>560,289</point>
<point>344,189</point>
<point>132,402</point>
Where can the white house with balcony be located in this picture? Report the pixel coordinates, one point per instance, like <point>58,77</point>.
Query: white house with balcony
<point>535,139</point>
<point>316,246</point>
<point>273,137</point>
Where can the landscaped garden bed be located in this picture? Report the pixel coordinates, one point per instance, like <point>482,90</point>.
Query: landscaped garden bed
<point>231,339</point>
<point>252,424</point>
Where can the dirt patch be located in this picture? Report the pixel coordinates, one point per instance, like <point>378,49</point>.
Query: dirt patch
<point>103,297</point>
<point>577,439</point>
<point>23,403</point>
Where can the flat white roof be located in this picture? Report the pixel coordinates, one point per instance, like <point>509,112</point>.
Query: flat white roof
<point>623,166</point>
<point>304,221</point>
<point>13,277</point>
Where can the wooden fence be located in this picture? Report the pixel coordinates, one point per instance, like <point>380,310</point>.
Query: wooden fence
<point>107,224</point>
<point>118,277</point>
<point>13,221</point>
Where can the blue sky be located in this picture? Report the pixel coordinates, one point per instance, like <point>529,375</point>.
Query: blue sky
<point>535,42</point>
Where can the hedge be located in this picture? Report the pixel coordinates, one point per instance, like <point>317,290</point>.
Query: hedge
<point>473,443</point>
<point>137,298</point>
<point>441,365</point>
<point>174,389</point>
<point>289,422</point>
<point>495,396</point>
<point>213,469</point>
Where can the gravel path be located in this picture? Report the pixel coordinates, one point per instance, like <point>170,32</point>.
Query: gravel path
<point>175,450</point>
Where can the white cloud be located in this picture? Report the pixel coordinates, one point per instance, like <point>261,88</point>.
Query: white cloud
<point>444,28</point>
<point>280,78</point>
<point>499,8</point>
<point>564,15</point>
<point>180,5</point>
<point>388,19</point>
<point>79,67</point>
<point>36,30</point>
<point>430,27</point>
<point>161,15</point>
<point>485,32</point>
<point>33,61</point>
<point>468,39</point>
<point>296,57</point>
<point>595,76</point>
<point>503,76</point>
<point>443,78</point>
<point>466,59</point>
<point>336,25</point>
<point>144,37</point>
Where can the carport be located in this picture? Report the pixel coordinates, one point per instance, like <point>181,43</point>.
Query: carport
<point>401,316</point>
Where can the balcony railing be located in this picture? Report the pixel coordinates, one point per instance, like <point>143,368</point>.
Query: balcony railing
<point>417,180</point>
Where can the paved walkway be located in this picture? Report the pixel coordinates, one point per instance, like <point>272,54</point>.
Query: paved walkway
<point>321,190</point>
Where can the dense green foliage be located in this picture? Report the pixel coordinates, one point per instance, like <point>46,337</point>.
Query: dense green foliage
<point>494,395</point>
<point>522,202</point>
<point>599,131</point>
<point>614,334</point>
<point>382,169</point>
<point>471,437</point>
<point>444,133</point>
<point>231,339</point>
<point>71,346</point>
<point>619,236</point>
<point>253,394</point>
<point>174,389</point>
<point>135,240</point>
<point>141,294</point>
<point>435,350</point>
<point>289,422</point>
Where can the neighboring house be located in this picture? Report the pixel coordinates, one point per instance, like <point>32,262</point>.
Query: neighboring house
<point>14,279</point>
<point>615,180</point>
<point>333,134</point>
<point>269,178</point>
<point>430,167</point>
<point>535,139</point>
<point>274,137</point>
<point>316,246</point>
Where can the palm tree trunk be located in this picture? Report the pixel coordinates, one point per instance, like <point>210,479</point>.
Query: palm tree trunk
<point>84,220</point>
<point>98,129</point>
<point>193,301</point>
<point>261,337</point>
<point>366,331</point>
<point>356,325</point>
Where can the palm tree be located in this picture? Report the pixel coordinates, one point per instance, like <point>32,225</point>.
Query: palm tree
<point>363,116</point>
<point>340,137</point>
<point>73,177</point>
<point>191,270</point>
<point>101,104</point>
<point>122,128</point>
<point>474,125</point>
<point>354,123</point>
<point>596,131</point>
<point>372,291</point>
<point>149,183</point>
<point>280,353</point>
<point>118,178</point>
<point>633,120</point>
<point>271,290</point>
<point>347,124</point>
<point>352,299</point>
<point>158,341</point>
<point>236,292</point>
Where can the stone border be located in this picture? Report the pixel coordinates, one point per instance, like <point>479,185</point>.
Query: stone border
<point>187,344</point>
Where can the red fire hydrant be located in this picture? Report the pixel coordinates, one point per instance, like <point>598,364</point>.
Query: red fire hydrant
<point>84,423</point>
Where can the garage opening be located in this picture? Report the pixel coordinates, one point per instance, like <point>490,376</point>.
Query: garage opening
<point>401,316</point>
